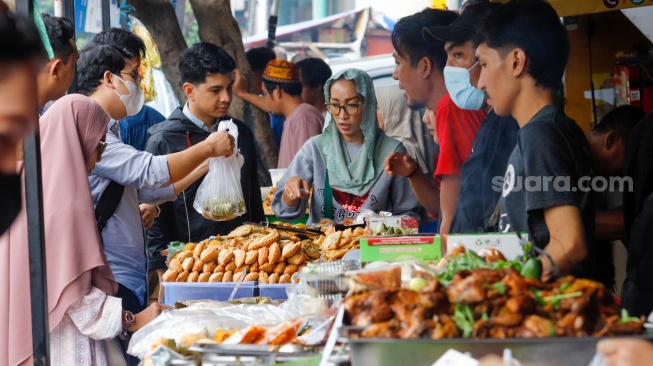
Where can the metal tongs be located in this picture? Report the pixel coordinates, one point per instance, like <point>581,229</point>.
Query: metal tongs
<point>307,233</point>
<point>539,251</point>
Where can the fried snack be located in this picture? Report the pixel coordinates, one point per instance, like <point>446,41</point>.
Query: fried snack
<point>254,267</point>
<point>332,255</point>
<point>298,258</point>
<point>296,280</point>
<point>263,255</point>
<point>290,269</point>
<point>189,339</point>
<point>243,268</point>
<point>193,276</point>
<point>228,276</point>
<point>190,246</point>
<point>183,255</point>
<point>221,335</point>
<point>187,264</point>
<point>199,248</point>
<point>237,275</point>
<point>209,254</point>
<point>274,253</point>
<point>241,231</point>
<point>251,277</point>
<point>267,267</point>
<point>209,267</point>
<point>248,335</point>
<point>182,276</point>
<point>281,334</point>
<point>225,256</point>
<point>347,234</point>
<point>197,264</point>
<point>204,277</point>
<point>265,241</point>
<point>283,243</point>
<point>332,241</point>
<point>239,257</point>
<point>358,232</point>
<point>290,250</point>
<point>343,242</point>
<point>284,278</point>
<point>216,277</point>
<point>169,276</point>
<point>274,278</point>
<point>312,250</point>
<point>214,243</point>
<point>279,268</point>
<point>231,266</point>
<point>262,277</point>
<point>245,247</point>
<point>175,265</point>
<point>219,268</point>
<point>251,256</point>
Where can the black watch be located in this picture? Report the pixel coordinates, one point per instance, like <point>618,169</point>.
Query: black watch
<point>128,320</point>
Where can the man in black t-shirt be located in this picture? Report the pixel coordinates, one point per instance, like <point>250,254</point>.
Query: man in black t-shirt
<point>523,50</point>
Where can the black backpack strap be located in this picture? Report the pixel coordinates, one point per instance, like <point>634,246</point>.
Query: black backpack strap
<point>107,205</point>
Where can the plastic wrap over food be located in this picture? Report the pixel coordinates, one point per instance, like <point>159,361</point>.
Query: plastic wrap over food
<point>205,318</point>
<point>150,60</point>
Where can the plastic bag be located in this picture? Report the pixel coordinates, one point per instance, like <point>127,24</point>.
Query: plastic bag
<point>220,196</point>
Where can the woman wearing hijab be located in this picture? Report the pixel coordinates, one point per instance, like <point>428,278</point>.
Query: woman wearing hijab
<point>344,164</point>
<point>81,311</point>
<point>397,120</point>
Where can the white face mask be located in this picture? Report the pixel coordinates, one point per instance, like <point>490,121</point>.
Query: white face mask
<point>134,100</point>
<point>460,88</point>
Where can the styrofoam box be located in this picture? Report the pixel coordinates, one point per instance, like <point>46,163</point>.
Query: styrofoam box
<point>179,291</point>
<point>275,291</point>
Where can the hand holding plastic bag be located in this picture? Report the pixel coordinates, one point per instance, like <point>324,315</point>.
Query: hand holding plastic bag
<point>220,196</point>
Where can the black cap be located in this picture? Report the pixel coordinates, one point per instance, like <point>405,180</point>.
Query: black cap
<point>464,27</point>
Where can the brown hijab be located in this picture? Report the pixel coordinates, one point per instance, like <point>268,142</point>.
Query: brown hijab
<point>70,130</point>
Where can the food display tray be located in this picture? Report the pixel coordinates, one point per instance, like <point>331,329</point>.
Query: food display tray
<point>562,351</point>
<point>250,354</point>
<point>179,291</point>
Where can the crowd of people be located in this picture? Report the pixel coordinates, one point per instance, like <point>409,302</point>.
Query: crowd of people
<point>119,179</point>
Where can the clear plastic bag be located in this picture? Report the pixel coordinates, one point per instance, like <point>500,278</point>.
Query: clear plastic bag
<point>220,196</point>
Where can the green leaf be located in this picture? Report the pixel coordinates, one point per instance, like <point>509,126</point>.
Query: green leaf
<point>626,318</point>
<point>499,287</point>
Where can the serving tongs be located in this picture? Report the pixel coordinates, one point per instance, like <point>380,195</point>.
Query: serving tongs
<point>300,233</point>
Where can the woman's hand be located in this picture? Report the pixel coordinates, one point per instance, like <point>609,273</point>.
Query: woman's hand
<point>295,189</point>
<point>400,164</point>
<point>144,317</point>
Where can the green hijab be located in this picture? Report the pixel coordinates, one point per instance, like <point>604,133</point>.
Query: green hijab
<point>358,175</point>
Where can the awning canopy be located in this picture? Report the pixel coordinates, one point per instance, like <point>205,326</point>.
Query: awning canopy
<point>566,8</point>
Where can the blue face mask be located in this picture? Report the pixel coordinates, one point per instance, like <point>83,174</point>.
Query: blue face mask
<point>460,88</point>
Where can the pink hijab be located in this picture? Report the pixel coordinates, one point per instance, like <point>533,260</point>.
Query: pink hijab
<point>70,130</point>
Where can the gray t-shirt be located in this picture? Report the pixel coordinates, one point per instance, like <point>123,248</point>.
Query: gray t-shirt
<point>550,157</point>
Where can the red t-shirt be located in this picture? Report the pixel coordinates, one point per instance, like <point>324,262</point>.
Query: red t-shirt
<point>456,129</point>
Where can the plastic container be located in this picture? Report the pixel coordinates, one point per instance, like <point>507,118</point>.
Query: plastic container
<point>179,291</point>
<point>275,291</point>
<point>276,175</point>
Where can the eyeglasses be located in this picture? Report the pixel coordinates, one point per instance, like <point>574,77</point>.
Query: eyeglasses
<point>100,148</point>
<point>350,108</point>
<point>136,77</point>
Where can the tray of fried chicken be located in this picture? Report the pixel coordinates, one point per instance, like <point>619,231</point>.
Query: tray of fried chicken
<point>480,310</point>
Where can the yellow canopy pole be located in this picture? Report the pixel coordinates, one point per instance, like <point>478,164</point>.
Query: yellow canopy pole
<point>566,8</point>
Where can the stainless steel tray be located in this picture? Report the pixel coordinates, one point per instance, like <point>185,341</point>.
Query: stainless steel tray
<point>249,354</point>
<point>563,351</point>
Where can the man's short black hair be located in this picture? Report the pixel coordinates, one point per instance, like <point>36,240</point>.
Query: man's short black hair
<point>60,32</point>
<point>127,41</point>
<point>621,119</point>
<point>294,89</point>
<point>19,39</point>
<point>314,71</point>
<point>203,59</point>
<point>94,61</point>
<point>259,57</point>
<point>408,41</point>
<point>534,27</point>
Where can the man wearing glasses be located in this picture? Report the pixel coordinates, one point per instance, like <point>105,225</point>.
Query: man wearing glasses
<point>282,91</point>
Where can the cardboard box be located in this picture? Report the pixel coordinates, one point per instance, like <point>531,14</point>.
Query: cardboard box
<point>427,248</point>
<point>507,243</point>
